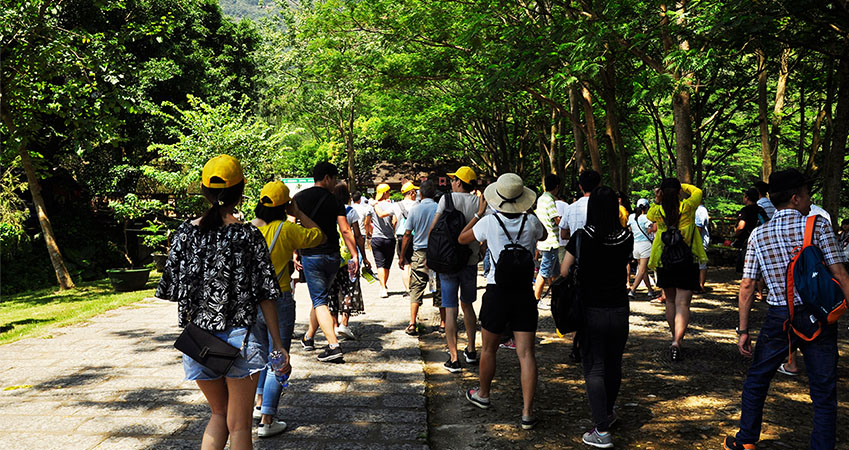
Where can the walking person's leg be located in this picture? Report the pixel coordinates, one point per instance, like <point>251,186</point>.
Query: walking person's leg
<point>489,346</point>
<point>594,337</point>
<point>320,271</point>
<point>682,315</point>
<point>617,338</point>
<point>525,350</point>
<point>468,295</point>
<point>450,299</point>
<point>216,432</point>
<point>418,284</point>
<point>821,363</point>
<point>239,411</point>
<point>271,388</point>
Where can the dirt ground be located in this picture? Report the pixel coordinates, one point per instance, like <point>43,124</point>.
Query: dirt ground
<point>691,404</point>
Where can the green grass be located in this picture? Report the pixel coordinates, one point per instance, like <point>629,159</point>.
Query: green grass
<point>35,313</point>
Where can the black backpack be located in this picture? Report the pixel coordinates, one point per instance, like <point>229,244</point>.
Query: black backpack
<point>675,249</point>
<point>515,265</point>
<point>444,253</point>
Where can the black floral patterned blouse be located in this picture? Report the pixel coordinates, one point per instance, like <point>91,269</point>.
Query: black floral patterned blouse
<point>218,277</point>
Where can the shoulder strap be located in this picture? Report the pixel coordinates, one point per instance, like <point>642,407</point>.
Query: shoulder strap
<point>404,212</point>
<point>637,220</point>
<point>578,246</point>
<point>449,201</point>
<point>318,205</point>
<point>810,224</point>
<point>505,228</point>
<point>273,244</point>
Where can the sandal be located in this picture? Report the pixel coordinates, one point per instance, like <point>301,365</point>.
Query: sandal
<point>782,369</point>
<point>411,329</point>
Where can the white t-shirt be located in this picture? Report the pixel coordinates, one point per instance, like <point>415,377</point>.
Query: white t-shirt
<point>399,213</point>
<point>818,211</point>
<point>352,216</point>
<point>575,216</point>
<point>640,228</point>
<point>561,211</point>
<point>488,229</point>
<point>468,204</point>
<point>363,210</point>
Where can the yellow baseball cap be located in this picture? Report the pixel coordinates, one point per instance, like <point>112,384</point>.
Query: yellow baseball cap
<point>224,167</point>
<point>465,173</point>
<point>381,188</point>
<point>407,187</point>
<point>274,194</point>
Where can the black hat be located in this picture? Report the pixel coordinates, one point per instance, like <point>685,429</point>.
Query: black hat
<point>786,180</point>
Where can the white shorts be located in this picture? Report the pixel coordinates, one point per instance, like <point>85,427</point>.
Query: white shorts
<point>642,249</point>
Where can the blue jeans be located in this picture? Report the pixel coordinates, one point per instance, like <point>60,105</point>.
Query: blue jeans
<point>549,266</point>
<point>268,386</point>
<point>820,363</point>
<point>320,270</point>
<point>487,263</point>
<point>463,283</point>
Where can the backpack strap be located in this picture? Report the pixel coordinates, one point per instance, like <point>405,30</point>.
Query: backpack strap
<point>273,244</point>
<point>318,205</point>
<point>507,233</point>
<point>449,201</point>
<point>810,225</point>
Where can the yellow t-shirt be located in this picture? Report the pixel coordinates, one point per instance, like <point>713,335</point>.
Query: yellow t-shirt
<point>292,237</point>
<point>623,216</point>
<point>686,224</point>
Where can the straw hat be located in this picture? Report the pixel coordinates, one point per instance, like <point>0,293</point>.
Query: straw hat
<point>509,194</point>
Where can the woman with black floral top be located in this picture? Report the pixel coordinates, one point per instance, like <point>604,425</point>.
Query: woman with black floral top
<point>218,272</point>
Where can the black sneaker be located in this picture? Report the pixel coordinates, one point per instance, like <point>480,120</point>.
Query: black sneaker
<point>529,423</point>
<point>309,344</point>
<point>453,366</point>
<point>471,356</point>
<point>330,354</point>
<point>675,353</point>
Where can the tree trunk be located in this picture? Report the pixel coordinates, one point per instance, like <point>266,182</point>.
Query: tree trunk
<point>349,147</point>
<point>62,275</point>
<point>613,128</point>
<point>780,93</point>
<point>834,157</point>
<point>580,151</point>
<point>800,152</point>
<point>554,159</point>
<point>766,160</point>
<point>683,135</point>
<point>592,142</point>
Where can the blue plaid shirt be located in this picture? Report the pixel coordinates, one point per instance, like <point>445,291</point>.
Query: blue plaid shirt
<point>774,244</point>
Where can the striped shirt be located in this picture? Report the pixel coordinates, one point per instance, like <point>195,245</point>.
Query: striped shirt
<point>546,213</point>
<point>774,244</point>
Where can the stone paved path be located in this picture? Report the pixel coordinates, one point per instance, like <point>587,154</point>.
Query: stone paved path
<point>116,382</point>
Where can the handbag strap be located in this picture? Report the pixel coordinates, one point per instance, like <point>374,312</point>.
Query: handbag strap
<point>641,229</point>
<point>244,342</point>
<point>271,248</point>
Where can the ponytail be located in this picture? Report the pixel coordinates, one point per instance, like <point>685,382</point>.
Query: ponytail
<point>219,198</point>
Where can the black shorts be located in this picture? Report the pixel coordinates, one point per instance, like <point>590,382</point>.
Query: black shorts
<point>398,244</point>
<point>384,251</point>
<point>679,276</point>
<point>514,310</point>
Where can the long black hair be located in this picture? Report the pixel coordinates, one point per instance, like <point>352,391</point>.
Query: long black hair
<point>670,190</point>
<point>603,211</point>
<point>219,198</point>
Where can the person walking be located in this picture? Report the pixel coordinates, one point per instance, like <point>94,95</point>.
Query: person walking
<point>402,212</point>
<point>676,209</point>
<point>771,248</point>
<point>283,237</point>
<point>382,224</point>
<point>322,262</point>
<point>750,216</point>
<point>763,200</point>
<point>415,238</point>
<point>702,223</point>
<point>642,230</point>
<point>547,214</point>
<point>604,243</point>
<point>219,271</point>
<point>346,296</point>
<point>460,289</point>
<point>507,305</point>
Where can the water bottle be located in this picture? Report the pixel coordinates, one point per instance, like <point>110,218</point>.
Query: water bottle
<point>352,270</point>
<point>277,360</point>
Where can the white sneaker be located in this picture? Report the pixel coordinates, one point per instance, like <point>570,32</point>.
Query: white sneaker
<point>384,293</point>
<point>271,429</point>
<point>345,332</point>
<point>257,413</point>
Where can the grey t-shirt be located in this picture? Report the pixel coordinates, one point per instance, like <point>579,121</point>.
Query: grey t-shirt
<point>468,204</point>
<point>382,227</point>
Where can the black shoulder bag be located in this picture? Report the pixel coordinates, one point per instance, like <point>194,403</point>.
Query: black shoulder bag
<point>208,349</point>
<point>566,306</point>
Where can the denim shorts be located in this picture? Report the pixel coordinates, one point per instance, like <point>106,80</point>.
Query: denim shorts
<point>320,271</point>
<point>549,266</point>
<point>463,283</point>
<point>251,361</point>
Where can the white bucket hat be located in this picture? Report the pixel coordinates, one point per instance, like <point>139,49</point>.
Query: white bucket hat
<point>509,194</point>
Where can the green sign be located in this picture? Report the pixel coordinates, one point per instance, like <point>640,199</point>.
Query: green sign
<point>297,181</point>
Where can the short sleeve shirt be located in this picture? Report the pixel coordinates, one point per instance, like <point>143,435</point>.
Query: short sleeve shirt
<point>561,211</point>
<point>421,216</point>
<point>546,213</point>
<point>382,226</point>
<point>773,245</point>
<point>325,216</point>
<point>601,283</point>
<point>766,204</point>
<point>402,212</point>
<point>488,229</point>
<point>292,237</point>
<point>576,216</point>
<point>640,228</point>
<point>218,277</point>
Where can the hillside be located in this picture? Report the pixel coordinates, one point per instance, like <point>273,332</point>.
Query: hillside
<point>251,9</point>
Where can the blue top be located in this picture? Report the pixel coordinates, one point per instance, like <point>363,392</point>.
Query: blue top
<point>640,228</point>
<point>419,220</point>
